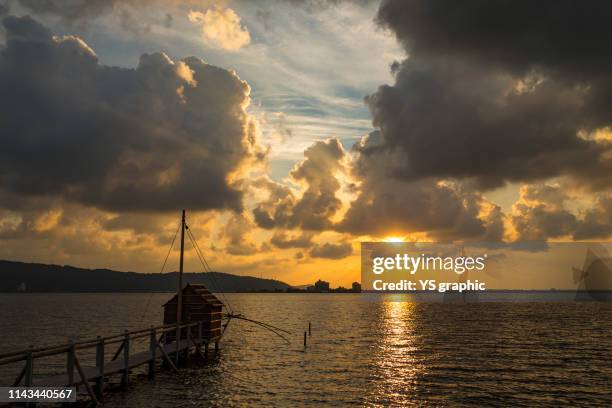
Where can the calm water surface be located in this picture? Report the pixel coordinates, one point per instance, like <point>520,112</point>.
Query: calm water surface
<point>377,352</point>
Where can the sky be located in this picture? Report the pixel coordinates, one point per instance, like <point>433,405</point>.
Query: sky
<point>293,130</point>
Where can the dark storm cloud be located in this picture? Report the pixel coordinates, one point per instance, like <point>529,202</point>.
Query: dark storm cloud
<point>497,91</point>
<point>331,251</point>
<point>451,119</point>
<point>158,137</point>
<point>565,37</point>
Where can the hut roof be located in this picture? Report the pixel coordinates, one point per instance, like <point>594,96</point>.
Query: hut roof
<point>199,290</point>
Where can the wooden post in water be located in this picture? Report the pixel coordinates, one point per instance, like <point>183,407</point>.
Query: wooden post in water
<point>309,332</point>
<point>152,350</point>
<point>100,367</point>
<point>179,304</point>
<point>126,360</point>
<point>304,339</point>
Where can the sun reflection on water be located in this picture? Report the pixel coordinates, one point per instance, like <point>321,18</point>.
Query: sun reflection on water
<point>397,366</point>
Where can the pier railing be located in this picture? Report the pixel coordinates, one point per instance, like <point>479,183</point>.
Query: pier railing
<point>189,335</point>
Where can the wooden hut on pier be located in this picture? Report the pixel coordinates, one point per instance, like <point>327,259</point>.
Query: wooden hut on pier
<point>198,305</point>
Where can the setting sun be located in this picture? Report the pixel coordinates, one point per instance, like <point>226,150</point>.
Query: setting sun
<point>393,239</point>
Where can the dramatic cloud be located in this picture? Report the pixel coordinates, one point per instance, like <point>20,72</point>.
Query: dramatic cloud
<point>492,99</point>
<point>450,119</point>
<point>165,135</point>
<point>497,92</point>
<point>331,251</point>
<point>386,205</point>
<point>490,92</point>
<point>318,203</point>
<point>221,28</point>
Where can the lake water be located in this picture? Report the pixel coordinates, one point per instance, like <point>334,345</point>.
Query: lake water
<point>368,351</point>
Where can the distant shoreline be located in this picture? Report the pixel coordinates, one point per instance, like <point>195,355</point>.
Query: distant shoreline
<point>20,277</point>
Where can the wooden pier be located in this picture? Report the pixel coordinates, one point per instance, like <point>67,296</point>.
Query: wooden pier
<point>193,319</point>
<point>192,336</point>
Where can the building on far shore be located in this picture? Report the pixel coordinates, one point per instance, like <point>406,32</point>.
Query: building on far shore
<point>321,286</point>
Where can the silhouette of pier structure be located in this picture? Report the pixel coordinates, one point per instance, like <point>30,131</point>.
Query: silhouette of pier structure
<point>192,323</point>
<point>192,340</point>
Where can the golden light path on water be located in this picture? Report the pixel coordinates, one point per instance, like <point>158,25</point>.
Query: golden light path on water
<point>398,367</point>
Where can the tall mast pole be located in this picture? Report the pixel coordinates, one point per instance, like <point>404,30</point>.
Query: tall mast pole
<point>180,279</point>
<point>179,294</point>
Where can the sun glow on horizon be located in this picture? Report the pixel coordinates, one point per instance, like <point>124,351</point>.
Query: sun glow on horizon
<point>393,239</point>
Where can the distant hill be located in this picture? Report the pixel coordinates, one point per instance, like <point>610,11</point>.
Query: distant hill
<point>55,278</point>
